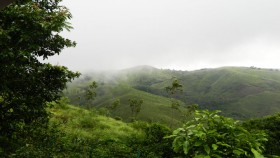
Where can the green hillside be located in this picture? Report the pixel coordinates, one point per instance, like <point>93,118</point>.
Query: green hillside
<point>155,108</point>
<point>87,133</point>
<point>230,88</point>
<point>239,92</point>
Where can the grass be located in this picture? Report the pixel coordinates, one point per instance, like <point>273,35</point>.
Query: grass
<point>88,124</point>
<point>238,91</point>
<point>154,108</point>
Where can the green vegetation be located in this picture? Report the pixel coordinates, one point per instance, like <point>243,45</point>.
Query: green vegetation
<point>239,92</point>
<point>210,135</point>
<point>89,133</point>
<point>37,122</point>
<point>154,108</point>
<point>135,106</point>
<point>270,125</point>
<point>29,30</point>
<point>78,132</point>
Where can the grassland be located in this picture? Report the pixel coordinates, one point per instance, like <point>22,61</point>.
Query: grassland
<point>240,92</point>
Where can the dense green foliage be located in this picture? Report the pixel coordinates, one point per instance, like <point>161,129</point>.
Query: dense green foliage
<point>90,133</point>
<point>77,132</point>
<point>29,30</point>
<point>34,122</point>
<point>271,125</point>
<point>135,106</point>
<point>210,135</point>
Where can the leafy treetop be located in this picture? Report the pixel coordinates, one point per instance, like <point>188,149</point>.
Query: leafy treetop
<point>29,31</point>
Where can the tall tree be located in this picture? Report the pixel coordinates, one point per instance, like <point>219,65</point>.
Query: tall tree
<point>172,90</point>
<point>29,30</point>
<point>135,105</point>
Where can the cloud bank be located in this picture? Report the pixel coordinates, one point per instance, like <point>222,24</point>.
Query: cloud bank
<point>181,34</point>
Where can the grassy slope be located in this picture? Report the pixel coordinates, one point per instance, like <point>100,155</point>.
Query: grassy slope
<point>238,91</point>
<point>89,134</point>
<point>88,124</point>
<point>154,108</point>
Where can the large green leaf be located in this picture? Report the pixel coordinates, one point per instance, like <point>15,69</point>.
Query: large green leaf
<point>256,154</point>
<point>206,149</point>
<point>214,146</point>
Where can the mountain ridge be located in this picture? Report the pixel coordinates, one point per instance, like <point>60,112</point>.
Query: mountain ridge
<point>240,92</point>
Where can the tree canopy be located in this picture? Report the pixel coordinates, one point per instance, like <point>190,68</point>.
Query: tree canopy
<point>29,33</point>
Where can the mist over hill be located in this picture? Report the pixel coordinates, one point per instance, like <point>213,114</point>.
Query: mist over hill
<point>240,92</point>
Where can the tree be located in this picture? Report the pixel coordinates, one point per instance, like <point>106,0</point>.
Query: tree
<point>175,87</point>
<point>116,103</point>
<point>172,90</point>
<point>29,31</point>
<point>211,135</point>
<point>85,95</point>
<point>135,106</point>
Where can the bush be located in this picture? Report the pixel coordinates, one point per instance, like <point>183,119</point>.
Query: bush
<point>271,125</point>
<point>210,135</point>
<point>153,144</point>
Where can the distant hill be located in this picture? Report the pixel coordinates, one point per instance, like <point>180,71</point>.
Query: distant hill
<point>155,108</point>
<point>240,92</point>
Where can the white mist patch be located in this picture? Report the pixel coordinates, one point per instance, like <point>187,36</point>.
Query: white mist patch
<point>261,52</point>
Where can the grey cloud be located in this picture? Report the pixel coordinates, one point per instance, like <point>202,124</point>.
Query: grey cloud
<point>181,34</point>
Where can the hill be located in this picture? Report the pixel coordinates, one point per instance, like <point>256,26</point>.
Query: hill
<point>155,108</point>
<point>240,92</point>
<point>89,133</point>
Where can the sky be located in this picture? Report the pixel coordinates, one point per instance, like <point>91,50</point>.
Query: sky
<point>172,34</point>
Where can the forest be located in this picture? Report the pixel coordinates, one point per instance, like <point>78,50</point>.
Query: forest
<point>143,112</point>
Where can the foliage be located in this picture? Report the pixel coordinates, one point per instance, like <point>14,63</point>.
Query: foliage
<point>29,32</point>
<point>153,144</point>
<point>90,91</point>
<point>172,90</point>
<point>88,94</point>
<point>40,142</point>
<point>115,104</point>
<point>175,87</point>
<point>271,125</point>
<point>88,134</point>
<point>155,141</point>
<point>211,135</point>
<point>135,106</point>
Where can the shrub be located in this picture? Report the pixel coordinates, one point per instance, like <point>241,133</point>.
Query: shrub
<point>210,135</point>
<point>271,125</point>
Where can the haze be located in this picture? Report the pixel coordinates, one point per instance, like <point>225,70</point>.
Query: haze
<point>178,34</point>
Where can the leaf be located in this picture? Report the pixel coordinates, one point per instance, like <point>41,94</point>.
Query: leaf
<point>200,134</point>
<point>186,147</point>
<point>198,143</point>
<point>256,153</point>
<point>215,146</point>
<point>207,149</point>
<point>202,156</point>
<point>223,144</point>
<point>237,152</point>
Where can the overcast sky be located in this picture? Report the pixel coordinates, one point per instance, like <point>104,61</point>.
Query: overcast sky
<point>174,34</point>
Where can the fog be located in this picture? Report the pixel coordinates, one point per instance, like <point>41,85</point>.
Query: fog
<point>181,34</point>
